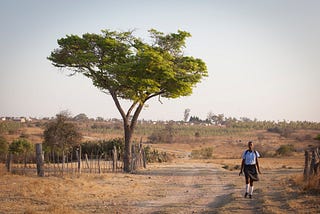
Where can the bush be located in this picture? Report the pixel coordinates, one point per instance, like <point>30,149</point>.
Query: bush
<point>20,146</point>
<point>4,146</point>
<point>284,132</point>
<point>102,146</point>
<point>9,127</point>
<point>285,150</point>
<point>154,155</point>
<point>204,153</point>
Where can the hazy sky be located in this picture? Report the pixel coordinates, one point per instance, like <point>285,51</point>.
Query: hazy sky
<point>263,56</point>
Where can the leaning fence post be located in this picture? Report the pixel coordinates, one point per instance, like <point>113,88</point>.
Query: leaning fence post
<point>306,163</point>
<point>40,160</point>
<point>313,163</point>
<point>144,158</point>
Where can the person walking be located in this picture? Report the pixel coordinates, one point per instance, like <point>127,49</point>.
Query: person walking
<point>249,166</point>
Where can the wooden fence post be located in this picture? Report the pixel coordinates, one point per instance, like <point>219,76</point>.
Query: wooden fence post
<point>9,161</point>
<point>40,160</point>
<point>313,163</point>
<point>144,158</point>
<point>99,163</point>
<point>78,155</point>
<point>306,165</point>
<point>87,161</point>
<point>114,159</point>
<point>133,158</point>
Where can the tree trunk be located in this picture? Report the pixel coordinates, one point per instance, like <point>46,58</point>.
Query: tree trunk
<point>127,148</point>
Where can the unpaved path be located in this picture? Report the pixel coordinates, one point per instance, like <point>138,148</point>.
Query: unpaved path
<point>193,188</point>
<point>207,188</point>
<point>189,188</point>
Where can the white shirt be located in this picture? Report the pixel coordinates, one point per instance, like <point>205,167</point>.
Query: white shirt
<point>250,157</point>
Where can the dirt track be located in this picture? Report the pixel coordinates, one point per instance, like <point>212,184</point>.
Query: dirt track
<point>180,187</point>
<point>207,188</point>
<point>190,188</point>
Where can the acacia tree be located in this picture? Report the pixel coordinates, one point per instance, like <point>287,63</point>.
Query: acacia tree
<point>126,67</point>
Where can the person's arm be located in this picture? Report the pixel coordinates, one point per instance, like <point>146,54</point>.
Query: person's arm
<point>241,169</point>
<point>257,164</point>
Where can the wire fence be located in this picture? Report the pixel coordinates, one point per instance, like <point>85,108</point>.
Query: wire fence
<point>56,163</point>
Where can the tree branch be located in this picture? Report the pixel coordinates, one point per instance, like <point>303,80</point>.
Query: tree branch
<point>155,94</point>
<point>116,101</point>
<point>131,108</point>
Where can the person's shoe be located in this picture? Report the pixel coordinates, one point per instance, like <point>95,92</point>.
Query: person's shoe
<point>250,196</point>
<point>245,195</point>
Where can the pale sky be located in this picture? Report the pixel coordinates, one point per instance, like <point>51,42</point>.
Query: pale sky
<point>262,56</point>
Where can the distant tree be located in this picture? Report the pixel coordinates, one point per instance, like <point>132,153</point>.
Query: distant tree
<point>126,67</point>
<point>4,146</point>
<point>245,119</point>
<point>21,146</point>
<point>81,117</point>
<point>99,119</point>
<point>186,115</point>
<point>60,134</point>
<point>195,119</point>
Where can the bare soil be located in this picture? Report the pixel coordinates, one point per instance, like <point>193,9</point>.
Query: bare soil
<point>183,186</point>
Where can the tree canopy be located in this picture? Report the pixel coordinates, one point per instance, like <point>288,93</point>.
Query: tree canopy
<point>124,66</point>
<point>127,67</point>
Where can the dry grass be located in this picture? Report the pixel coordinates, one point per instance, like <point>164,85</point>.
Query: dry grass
<point>280,190</point>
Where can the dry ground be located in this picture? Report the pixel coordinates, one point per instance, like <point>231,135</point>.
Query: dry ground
<point>183,186</point>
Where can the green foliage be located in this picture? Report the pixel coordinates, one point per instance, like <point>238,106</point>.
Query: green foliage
<point>203,153</point>
<point>61,134</point>
<point>81,117</point>
<point>318,137</point>
<point>103,146</point>
<point>4,146</point>
<point>123,65</point>
<point>10,127</point>
<point>285,150</point>
<point>20,146</point>
<point>154,156</point>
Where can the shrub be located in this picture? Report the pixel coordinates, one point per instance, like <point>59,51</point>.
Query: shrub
<point>284,132</point>
<point>102,146</point>
<point>4,146</point>
<point>285,150</point>
<point>204,153</point>
<point>154,155</point>
<point>9,127</point>
<point>162,136</point>
<point>20,146</point>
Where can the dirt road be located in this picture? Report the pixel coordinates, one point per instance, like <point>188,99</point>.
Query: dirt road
<point>207,188</point>
<point>189,188</point>
<point>180,187</point>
